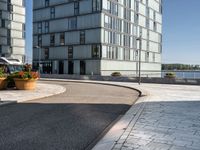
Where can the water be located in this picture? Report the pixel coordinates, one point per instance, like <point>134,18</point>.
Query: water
<point>185,74</point>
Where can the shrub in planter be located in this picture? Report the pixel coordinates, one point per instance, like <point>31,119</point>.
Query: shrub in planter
<point>116,74</point>
<point>25,80</point>
<point>170,75</point>
<point>3,81</point>
<point>10,81</point>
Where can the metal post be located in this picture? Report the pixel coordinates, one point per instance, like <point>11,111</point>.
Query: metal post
<point>39,57</point>
<point>39,51</point>
<point>139,54</point>
<point>140,47</point>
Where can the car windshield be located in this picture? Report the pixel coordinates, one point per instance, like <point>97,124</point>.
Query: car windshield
<point>15,68</point>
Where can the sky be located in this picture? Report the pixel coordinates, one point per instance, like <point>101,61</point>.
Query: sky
<point>181,31</point>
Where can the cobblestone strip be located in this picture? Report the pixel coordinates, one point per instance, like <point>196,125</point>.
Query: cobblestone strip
<point>120,131</point>
<point>123,138</point>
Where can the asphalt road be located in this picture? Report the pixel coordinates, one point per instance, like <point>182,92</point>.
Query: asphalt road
<point>73,120</point>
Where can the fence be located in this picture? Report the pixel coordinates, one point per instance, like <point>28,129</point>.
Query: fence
<point>180,74</point>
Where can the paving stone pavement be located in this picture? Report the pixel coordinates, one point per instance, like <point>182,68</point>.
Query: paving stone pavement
<point>169,120</point>
<point>165,126</point>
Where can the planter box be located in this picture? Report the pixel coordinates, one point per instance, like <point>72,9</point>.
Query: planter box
<point>25,84</point>
<point>3,83</point>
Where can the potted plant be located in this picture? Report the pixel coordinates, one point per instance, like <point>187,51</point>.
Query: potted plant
<point>170,75</point>
<point>2,79</point>
<point>116,74</point>
<point>25,80</point>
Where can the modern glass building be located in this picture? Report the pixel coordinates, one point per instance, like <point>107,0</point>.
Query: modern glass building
<point>97,36</point>
<point>12,29</point>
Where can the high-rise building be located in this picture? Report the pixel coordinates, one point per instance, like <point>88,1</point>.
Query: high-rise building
<point>97,36</point>
<point>12,29</point>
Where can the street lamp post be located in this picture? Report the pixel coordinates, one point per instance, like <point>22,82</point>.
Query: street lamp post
<point>39,56</point>
<point>139,68</point>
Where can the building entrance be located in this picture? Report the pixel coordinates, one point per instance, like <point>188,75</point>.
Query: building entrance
<point>70,67</point>
<point>82,68</point>
<point>61,67</point>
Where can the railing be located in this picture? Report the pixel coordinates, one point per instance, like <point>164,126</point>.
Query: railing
<point>183,74</point>
<point>178,74</point>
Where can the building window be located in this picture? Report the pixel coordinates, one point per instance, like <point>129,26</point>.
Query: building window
<point>96,50</point>
<point>126,54</point>
<point>39,40</point>
<point>11,16</point>
<point>46,53</point>
<point>8,41</point>
<point>147,57</point>
<point>114,9</point>
<point>96,5</point>
<point>46,3</point>
<point>147,45</point>
<point>160,48</point>
<point>70,52</point>
<point>1,16</point>
<point>24,3</point>
<point>82,37</point>
<point>62,38</point>
<point>8,33</point>
<point>52,39</point>
<point>147,11</point>
<point>136,18</point>
<point>52,12</point>
<point>23,30</point>
<point>10,7</point>
<point>154,57</point>
<point>3,23</point>
<point>137,6</point>
<point>147,2</point>
<point>135,55</point>
<point>46,26</point>
<point>0,49</point>
<point>147,23</point>
<point>76,8</point>
<point>72,23</point>
<point>39,26</point>
<point>155,26</point>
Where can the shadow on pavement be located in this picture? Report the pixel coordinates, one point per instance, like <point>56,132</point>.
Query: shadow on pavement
<point>35,126</point>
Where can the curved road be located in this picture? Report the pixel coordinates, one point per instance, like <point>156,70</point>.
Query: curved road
<point>73,120</point>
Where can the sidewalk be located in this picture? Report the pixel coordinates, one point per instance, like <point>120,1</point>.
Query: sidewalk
<point>168,118</point>
<point>41,91</point>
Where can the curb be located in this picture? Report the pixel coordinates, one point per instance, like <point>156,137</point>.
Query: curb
<point>15,101</point>
<point>4,103</point>
<point>54,94</point>
<point>94,82</point>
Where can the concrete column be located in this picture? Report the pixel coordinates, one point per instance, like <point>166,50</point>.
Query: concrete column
<point>76,67</point>
<point>65,67</point>
<point>55,67</point>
